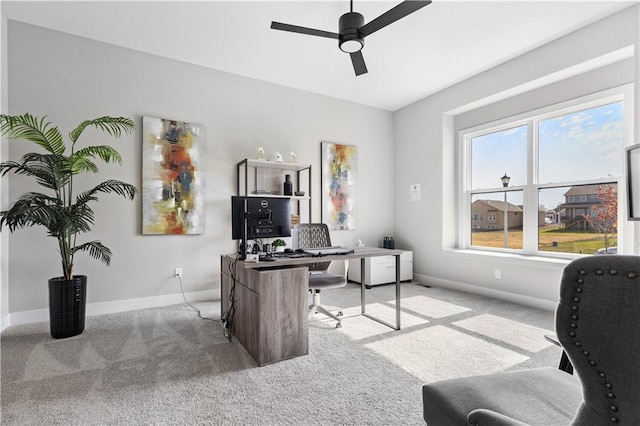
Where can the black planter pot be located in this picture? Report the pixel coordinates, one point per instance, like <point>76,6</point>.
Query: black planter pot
<point>67,302</point>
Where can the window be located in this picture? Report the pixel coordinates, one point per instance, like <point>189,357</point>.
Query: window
<point>546,182</point>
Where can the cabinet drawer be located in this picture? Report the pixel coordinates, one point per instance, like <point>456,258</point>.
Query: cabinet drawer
<point>382,260</point>
<point>382,269</point>
<point>383,273</point>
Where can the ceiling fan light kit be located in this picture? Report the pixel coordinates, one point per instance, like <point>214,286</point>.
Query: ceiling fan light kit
<point>349,38</point>
<point>353,30</point>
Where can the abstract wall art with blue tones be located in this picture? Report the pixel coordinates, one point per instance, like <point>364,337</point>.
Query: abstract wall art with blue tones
<point>339,185</point>
<point>173,165</point>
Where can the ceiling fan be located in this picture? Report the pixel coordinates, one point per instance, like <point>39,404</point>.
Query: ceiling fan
<point>353,30</point>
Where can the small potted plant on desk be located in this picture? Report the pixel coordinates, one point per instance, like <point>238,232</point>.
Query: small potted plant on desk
<point>278,244</point>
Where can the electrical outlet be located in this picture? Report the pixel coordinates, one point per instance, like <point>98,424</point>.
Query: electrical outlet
<point>177,272</point>
<point>497,274</point>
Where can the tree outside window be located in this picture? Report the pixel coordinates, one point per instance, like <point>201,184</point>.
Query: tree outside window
<point>604,217</point>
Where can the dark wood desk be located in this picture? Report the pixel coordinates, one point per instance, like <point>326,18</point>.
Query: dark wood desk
<point>271,318</point>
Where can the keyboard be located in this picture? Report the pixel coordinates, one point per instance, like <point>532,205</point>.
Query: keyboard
<point>292,255</point>
<point>326,251</point>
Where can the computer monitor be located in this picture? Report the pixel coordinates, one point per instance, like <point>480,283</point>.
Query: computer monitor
<point>265,217</point>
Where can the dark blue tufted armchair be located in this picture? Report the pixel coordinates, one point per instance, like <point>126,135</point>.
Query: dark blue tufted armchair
<point>598,324</point>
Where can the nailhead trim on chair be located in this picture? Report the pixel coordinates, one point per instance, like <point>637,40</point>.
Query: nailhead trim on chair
<point>574,326</point>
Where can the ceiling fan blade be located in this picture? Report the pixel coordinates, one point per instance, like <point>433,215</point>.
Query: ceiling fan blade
<point>358,63</point>
<point>302,30</point>
<point>392,15</point>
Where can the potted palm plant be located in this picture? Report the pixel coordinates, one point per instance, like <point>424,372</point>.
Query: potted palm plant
<point>64,213</point>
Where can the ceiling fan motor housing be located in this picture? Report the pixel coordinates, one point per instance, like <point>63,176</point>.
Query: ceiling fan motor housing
<point>350,40</point>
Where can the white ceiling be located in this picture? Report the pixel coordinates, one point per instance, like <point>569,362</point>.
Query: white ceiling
<point>429,50</point>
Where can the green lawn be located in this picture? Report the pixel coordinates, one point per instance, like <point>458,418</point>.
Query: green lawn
<point>550,238</point>
<point>569,241</point>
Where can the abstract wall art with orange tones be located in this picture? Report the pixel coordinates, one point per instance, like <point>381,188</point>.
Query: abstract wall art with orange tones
<point>339,185</point>
<point>173,164</point>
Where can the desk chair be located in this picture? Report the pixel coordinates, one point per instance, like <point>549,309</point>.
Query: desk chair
<point>597,324</point>
<point>314,235</point>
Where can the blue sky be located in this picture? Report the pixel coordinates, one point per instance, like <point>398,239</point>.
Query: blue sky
<point>583,145</point>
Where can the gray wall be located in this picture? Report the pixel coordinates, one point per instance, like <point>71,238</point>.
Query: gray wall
<point>72,79</point>
<point>4,241</point>
<point>609,76</point>
<point>425,138</point>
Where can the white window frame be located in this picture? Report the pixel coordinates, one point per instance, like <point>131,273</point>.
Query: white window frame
<point>530,189</point>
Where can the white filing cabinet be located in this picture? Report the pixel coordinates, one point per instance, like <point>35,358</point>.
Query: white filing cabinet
<point>382,269</point>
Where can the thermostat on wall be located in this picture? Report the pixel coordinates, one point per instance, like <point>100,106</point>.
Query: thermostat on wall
<point>414,192</point>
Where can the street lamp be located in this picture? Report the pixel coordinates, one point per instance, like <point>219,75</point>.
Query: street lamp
<point>505,182</point>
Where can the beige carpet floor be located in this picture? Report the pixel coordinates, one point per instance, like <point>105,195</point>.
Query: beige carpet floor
<point>167,366</point>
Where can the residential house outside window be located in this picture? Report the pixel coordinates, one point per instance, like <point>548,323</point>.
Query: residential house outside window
<point>560,161</point>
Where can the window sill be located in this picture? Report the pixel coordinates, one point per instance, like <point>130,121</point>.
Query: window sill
<point>528,260</point>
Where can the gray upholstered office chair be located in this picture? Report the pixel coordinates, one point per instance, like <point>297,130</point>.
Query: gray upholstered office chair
<point>598,325</point>
<point>314,235</point>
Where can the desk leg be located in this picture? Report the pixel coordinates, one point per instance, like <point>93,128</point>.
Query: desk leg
<point>363,296</point>
<point>397,292</point>
<point>565,364</point>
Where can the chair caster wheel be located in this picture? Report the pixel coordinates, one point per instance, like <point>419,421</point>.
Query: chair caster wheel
<point>339,314</point>
<point>338,325</point>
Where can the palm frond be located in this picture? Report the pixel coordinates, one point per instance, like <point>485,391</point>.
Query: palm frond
<point>109,186</point>
<point>96,249</point>
<point>47,169</point>
<point>112,125</point>
<point>8,166</point>
<point>85,197</point>
<point>71,221</point>
<point>32,208</point>
<point>82,217</point>
<point>81,165</point>
<point>33,129</point>
<point>104,152</point>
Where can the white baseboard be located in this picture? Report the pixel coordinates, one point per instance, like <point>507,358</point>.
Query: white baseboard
<point>102,308</point>
<point>111,307</point>
<point>534,302</point>
<point>4,323</point>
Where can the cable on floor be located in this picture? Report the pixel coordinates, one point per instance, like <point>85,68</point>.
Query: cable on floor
<point>191,306</point>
